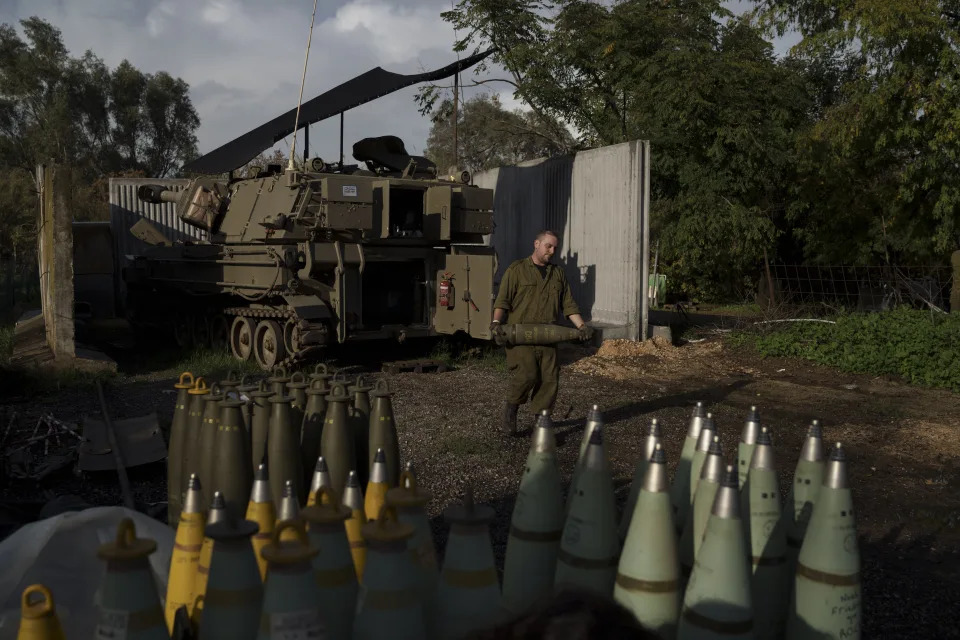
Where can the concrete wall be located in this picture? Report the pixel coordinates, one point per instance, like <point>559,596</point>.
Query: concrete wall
<point>598,200</point>
<point>55,240</point>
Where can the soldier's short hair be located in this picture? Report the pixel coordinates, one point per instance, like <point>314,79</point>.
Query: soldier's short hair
<point>547,232</point>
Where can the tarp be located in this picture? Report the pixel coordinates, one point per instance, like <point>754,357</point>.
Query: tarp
<point>366,87</point>
<point>61,553</point>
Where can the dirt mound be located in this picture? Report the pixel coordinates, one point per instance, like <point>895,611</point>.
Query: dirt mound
<point>625,359</point>
<point>632,348</point>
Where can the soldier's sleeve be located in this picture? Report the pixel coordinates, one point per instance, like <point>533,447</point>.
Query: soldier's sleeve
<point>508,286</point>
<point>568,304</point>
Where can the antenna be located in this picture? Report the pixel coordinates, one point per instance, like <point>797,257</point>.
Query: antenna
<point>456,87</point>
<point>296,121</point>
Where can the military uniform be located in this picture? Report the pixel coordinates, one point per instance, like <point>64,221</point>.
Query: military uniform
<point>532,294</point>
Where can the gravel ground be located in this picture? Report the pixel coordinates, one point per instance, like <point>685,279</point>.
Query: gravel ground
<point>901,442</point>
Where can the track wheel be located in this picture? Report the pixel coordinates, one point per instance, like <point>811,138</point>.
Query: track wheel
<point>241,338</point>
<point>201,330</point>
<point>268,344</point>
<point>291,335</point>
<point>219,332</point>
<point>183,330</point>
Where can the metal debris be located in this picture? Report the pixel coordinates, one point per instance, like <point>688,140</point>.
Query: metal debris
<point>51,446</point>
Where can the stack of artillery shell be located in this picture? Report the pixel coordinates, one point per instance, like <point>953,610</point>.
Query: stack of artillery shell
<point>648,574</point>
<point>359,414</point>
<point>38,618</point>
<point>333,566</point>
<point>410,503</point>
<point>748,440</point>
<point>186,554</point>
<point>767,542</point>
<point>312,428</point>
<point>639,473</point>
<point>714,554</point>
<point>191,438</point>
<point>178,432</point>
<point>129,605</point>
<point>338,441</point>
<point>389,605</point>
<point>589,545</point>
<point>680,493</point>
<point>711,474</point>
<point>536,524</point>
<point>826,598</point>
<point>383,432</point>
<point>468,596</point>
<point>717,602</point>
<point>260,509</point>
<point>234,594</point>
<point>291,595</point>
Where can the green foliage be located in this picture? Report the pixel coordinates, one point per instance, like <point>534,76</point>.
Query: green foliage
<point>212,364</point>
<point>876,168</point>
<point>461,353</point>
<point>701,85</point>
<point>488,136</point>
<point>919,346</point>
<point>79,113</point>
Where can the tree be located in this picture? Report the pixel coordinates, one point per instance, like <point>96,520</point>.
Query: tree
<point>489,136</point>
<point>877,170</point>
<point>79,113</point>
<point>702,85</point>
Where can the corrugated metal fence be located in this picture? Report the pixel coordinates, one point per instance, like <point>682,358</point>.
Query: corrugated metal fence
<point>126,209</point>
<point>598,200</point>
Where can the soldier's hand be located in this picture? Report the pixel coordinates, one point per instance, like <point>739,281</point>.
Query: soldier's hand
<point>496,330</point>
<point>585,333</point>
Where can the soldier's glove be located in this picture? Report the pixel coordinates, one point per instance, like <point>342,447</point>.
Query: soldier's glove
<point>585,333</point>
<point>496,330</point>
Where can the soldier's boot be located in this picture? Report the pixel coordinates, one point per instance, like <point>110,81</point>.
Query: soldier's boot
<point>508,421</point>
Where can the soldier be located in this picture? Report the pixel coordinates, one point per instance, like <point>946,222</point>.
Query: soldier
<point>534,291</point>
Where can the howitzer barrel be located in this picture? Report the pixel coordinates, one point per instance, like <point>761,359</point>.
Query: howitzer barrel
<point>515,334</point>
<point>156,194</point>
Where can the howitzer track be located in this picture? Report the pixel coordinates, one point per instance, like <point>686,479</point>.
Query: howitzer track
<point>294,351</point>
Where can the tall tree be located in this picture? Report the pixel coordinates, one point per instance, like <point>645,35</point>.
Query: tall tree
<point>701,84</point>
<point>77,112</point>
<point>877,171</point>
<point>488,135</point>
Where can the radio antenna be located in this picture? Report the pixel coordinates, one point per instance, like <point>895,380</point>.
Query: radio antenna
<point>456,83</point>
<point>296,121</point>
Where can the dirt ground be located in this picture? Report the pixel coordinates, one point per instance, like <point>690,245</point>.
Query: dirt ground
<point>902,445</point>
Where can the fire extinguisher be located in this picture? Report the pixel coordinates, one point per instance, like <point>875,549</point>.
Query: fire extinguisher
<point>445,289</point>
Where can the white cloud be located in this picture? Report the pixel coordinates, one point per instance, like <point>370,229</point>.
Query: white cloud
<point>219,11</point>
<point>160,17</point>
<point>397,33</point>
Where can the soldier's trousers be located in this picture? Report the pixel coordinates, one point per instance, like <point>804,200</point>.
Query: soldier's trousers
<point>534,373</point>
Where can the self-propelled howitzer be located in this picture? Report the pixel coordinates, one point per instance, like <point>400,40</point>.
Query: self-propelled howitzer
<point>296,260</point>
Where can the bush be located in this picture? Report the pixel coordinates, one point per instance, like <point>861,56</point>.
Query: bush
<point>919,346</point>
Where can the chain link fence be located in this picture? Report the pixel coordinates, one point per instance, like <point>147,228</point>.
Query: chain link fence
<point>864,288</point>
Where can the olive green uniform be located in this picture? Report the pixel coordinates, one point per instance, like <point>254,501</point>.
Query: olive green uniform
<point>529,297</point>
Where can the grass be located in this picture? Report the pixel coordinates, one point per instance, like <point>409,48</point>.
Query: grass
<point>211,364</point>
<point>920,347</point>
<point>6,344</point>
<point>459,353</point>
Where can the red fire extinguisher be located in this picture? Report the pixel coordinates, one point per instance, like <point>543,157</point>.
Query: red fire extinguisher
<point>445,289</point>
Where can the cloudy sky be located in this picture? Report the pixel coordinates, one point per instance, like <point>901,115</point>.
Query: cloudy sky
<point>243,59</point>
